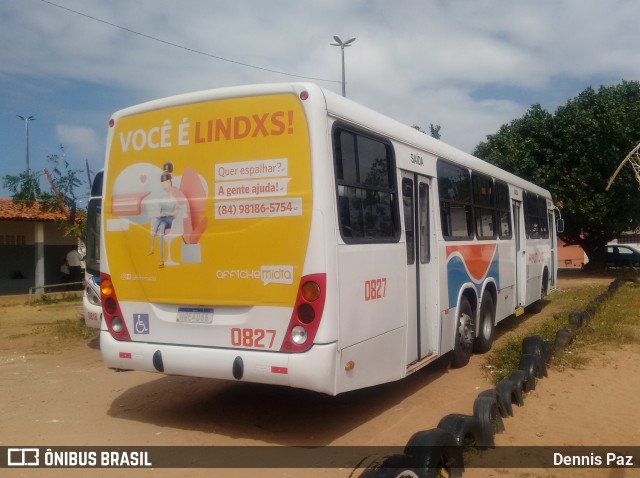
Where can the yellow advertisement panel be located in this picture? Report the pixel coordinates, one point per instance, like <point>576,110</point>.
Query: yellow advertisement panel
<point>209,203</point>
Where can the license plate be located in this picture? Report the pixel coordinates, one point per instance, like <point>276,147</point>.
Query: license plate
<point>194,315</point>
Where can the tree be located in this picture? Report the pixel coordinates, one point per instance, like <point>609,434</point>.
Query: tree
<point>434,130</point>
<point>573,152</point>
<point>64,182</point>
<point>25,186</point>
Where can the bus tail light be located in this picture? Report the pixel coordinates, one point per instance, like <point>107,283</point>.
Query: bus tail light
<point>111,312</point>
<point>306,314</point>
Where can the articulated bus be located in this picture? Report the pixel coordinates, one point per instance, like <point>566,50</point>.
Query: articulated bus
<point>283,234</point>
<point>91,296</point>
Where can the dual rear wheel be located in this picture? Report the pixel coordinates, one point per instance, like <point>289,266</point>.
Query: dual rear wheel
<point>466,341</point>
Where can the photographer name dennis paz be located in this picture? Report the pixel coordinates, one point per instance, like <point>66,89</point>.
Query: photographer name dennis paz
<point>609,460</point>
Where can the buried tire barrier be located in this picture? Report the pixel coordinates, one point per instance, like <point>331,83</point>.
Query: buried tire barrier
<point>547,350</point>
<point>393,466</point>
<point>434,453</point>
<point>466,429</point>
<point>529,365</point>
<point>518,377</point>
<point>563,338</point>
<point>534,345</point>
<point>485,409</point>
<point>502,408</point>
<point>508,394</point>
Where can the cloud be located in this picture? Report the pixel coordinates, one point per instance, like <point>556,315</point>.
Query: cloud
<point>417,61</point>
<point>80,141</point>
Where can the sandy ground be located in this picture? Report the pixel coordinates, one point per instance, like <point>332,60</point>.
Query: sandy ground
<point>66,396</point>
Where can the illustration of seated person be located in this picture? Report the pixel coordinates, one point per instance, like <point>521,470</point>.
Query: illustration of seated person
<point>173,210</point>
<point>177,211</point>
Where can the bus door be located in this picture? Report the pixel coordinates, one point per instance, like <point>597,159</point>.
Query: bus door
<point>553,242</point>
<point>521,255</point>
<point>421,273</point>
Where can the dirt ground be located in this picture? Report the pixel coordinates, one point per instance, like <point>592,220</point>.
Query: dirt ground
<point>55,391</point>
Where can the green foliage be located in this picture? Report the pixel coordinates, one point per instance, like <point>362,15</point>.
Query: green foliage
<point>62,197</point>
<point>25,186</point>
<point>573,152</point>
<point>434,130</point>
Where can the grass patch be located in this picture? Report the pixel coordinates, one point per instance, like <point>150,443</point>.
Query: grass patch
<point>503,359</point>
<point>72,329</point>
<point>48,299</point>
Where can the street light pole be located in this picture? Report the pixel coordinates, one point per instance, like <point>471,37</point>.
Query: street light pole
<point>342,45</point>
<point>26,120</point>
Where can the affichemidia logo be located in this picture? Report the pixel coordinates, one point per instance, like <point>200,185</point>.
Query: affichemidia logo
<point>23,457</point>
<point>267,274</point>
<point>276,274</point>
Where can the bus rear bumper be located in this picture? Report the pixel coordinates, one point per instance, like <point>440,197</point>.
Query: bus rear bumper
<point>311,370</point>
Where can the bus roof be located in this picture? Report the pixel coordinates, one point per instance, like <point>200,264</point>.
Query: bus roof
<point>349,111</point>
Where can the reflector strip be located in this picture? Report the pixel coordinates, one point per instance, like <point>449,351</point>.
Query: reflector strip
<point>282,370</point>
<point>126,355</point>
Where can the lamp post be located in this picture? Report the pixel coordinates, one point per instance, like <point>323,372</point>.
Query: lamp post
<point>342,46</point>
<point>26,120</point>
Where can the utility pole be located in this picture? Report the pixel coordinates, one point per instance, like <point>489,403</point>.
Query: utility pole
<point>27,120</point>
<point>342,46</point>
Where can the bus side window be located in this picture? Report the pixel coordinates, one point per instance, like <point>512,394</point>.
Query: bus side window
<point>366,188</point>
<point>503,210</point>
<point>454,188</point>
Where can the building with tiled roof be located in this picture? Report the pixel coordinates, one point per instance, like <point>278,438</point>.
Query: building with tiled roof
<point>11,210</point>
<point>32,246</point>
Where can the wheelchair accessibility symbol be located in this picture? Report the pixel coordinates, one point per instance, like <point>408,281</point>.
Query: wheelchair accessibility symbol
<point>141,323</point>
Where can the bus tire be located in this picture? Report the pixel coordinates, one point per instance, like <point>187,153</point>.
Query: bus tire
<point>486,327</point>
<point>518,378</point>
<point>465,334</point>
<point>485,409</point>
<point>394,466</point>
<point>435,452</point>
<point>464,428</point>
<point>529,365</point>
<point>506,393</point>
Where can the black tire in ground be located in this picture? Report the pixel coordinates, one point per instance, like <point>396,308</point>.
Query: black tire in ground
<point>563,338</point>
<point>465,333</point>
<point>394,466</point>
<point>465,429</point>
<point>518,377</point>
<point>493,394</point>
<point>534,345</point>
<point>435,452</point>
<point>486,328</point>
<point>529,365</point>
<point>506,392</point>
<point>547,350</point>
<point>485,409</point>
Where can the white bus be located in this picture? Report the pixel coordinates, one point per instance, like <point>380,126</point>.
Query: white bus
<point>91,297</point>
<point>283,234</point>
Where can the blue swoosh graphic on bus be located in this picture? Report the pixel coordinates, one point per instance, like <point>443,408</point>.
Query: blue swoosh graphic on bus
<point>458,274</point>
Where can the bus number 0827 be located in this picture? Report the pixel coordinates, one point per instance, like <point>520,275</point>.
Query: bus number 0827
<point>375,289</point>
<point>252,338</point>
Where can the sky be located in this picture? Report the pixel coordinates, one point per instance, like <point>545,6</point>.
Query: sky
<point>467,65</point>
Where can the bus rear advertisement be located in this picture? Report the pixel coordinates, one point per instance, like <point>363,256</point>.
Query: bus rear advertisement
<point>282,234</point>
